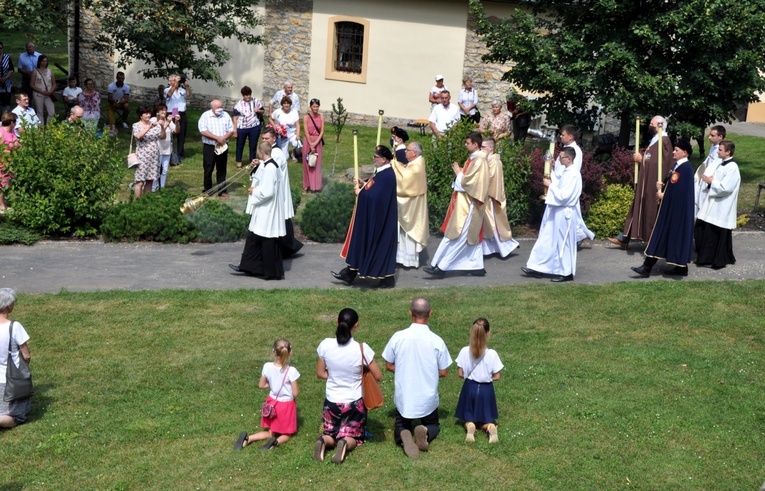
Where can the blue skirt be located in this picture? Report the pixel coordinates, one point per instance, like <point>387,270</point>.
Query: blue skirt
<point>477,403</point>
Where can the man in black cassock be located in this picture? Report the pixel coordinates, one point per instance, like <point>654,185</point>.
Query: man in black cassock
<point>672,235</point>
<point>370,245</point>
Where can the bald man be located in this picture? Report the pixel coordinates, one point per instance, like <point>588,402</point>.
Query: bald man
<point>216,127</point>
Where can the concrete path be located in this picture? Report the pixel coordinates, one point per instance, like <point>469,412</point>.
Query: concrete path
<point>95,266</point>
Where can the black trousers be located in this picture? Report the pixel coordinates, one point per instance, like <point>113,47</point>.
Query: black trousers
<point>430,422</point>
<point>211,161</point>
<point>180,139</point>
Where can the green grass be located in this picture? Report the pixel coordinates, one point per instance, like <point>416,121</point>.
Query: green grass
<point>639,386</point>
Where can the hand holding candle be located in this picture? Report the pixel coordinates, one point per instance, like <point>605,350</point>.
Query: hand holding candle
<point>379,125</point>
<point>637,146</point>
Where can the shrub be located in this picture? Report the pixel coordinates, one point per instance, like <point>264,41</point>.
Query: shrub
<point>14,234</point>
<point>65,179</point>
<point>516,165</point>
<point>218,222</point>
<point>439,156</point>
<point>606,217</point>
<point>297,197</point>
<point>326,217</point>
<point>152,217</point>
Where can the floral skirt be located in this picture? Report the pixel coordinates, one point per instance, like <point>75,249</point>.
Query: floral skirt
<point>18,410</point>
<point>345,419</point>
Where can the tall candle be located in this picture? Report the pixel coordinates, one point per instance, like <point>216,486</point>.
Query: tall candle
<point>355,155</point>
<point>379,125</point>
<point>661,138</point>
<point>637,146</point>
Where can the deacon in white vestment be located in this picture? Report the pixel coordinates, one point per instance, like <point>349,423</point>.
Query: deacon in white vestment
<point>290,245</point>
<point>412,201</point>
<point>707,168</point>
<point>497,237</point>
<point>460,249</point>
<point>568,136</point>
<point>717,218</point>
<point>554,252</point>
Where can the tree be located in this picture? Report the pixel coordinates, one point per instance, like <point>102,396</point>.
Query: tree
<point>696,60</point>
<point>169,37</point>
<point>175,36</point>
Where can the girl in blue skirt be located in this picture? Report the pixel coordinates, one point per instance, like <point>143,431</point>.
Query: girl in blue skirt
<point>480,367</point>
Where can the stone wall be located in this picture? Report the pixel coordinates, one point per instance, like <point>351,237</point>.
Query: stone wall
<point>288,47</point>
<point>93,64</point>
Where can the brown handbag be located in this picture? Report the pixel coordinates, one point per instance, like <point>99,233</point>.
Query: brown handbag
<point>370,387</point>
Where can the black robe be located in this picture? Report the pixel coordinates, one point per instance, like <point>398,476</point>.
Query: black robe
<point>372,239</point>
<point>672,235</point>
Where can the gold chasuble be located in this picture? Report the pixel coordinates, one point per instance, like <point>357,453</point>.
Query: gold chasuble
<point>475,182</point>
<point>412,198</point>
<point>497,195</point>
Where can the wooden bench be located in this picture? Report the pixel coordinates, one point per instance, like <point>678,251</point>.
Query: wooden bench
<point>421,124</point>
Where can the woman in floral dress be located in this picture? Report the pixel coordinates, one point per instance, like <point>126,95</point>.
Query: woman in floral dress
<point>495,124</point>
<point>147,133</point>
<point>90,102</point>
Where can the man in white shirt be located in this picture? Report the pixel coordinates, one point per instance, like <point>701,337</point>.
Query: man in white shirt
<point>276,100</point>
<point>118,94</point>
<point>418,358</point>
<point>178,91</point>
<point>707,168</point>
<point>216,127</point>
<point>568,136</point>
<point>27,117</point>
<point>444,115</point>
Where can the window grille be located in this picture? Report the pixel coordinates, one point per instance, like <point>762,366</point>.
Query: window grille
<point>349,47</point>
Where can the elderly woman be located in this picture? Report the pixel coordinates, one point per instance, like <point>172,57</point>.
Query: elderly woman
<point>247,124</point>
<point>147,132</point>
<point>496,124</point>
<point>345,416</point>
<point>15,412</point>
<point>468,101</point>
<point>290,119</point>
<point>43,87</point>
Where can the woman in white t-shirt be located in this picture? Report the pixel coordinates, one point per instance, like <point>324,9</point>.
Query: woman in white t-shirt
<point>290,119</point>
<point>344,416</point>
<point>172,127</point>
<point>15,412</point>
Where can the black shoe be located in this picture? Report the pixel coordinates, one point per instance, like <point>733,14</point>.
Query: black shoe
<point>341,277</point>
<point>434,271</point>
<point>271,443</point>
<point>476,272</point>
<point>561,279</point>
<point>677,271</point>
<point>531,272</point>
<point>389,282</point>
<point>579,245</point>
<point>235,268</point>
<point>642,271</point>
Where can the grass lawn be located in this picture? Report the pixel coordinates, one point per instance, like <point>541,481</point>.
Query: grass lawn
<point>633,386</point>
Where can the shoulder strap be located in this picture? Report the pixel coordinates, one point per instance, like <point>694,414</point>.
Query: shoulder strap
<point>314,124</point>
<point>364,361</point>
<point>286,371</point>
<point>477,363</point>
<point>10,336</point>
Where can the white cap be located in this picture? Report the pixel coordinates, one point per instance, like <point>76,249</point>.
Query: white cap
<point>439,77</point>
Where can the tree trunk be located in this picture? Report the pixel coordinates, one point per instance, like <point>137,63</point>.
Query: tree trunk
<point>625,129</point>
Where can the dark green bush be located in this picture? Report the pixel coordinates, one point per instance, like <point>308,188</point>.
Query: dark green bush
<point>65,179</point>
<point>297,197</point>
<point>326,217</point>
<point>607,214</point>
<point>152,217</point>
<point>217,222</point>
<point>14,234</point>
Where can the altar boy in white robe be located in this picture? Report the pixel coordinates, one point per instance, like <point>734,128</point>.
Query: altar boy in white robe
<point>554,253</point>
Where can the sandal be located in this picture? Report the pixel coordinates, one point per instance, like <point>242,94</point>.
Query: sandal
<point>318,450</point>
<point>241,441</point>
<point>339,456</point>
<point>271,443</point>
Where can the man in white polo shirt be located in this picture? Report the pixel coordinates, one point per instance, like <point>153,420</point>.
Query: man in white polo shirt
<point>418,358</point>
<point>27,117</point>
<point>444,115</point>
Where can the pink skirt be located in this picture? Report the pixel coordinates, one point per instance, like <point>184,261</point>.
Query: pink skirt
<point>285,421</point>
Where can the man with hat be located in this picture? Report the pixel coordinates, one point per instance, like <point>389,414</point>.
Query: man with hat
<point>435,91</point>
<point>672,235</point>
<point>370,245</point>
<point>399,137</point>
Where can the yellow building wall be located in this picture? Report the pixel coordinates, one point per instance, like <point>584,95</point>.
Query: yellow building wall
<point>756,113</point>
<point>409,43</point>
